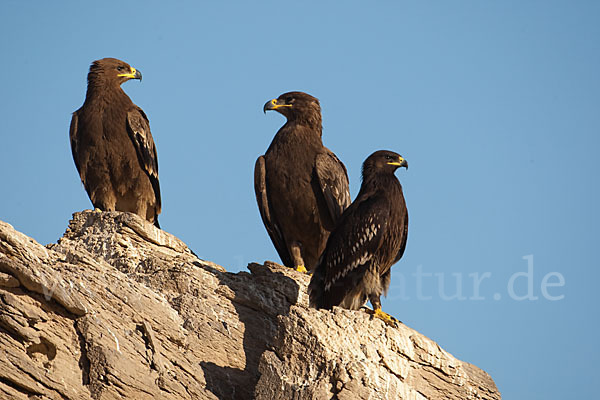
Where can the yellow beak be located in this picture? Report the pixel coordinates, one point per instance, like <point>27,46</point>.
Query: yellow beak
<point>274,105</point>
<point>401,162</point>
<point>133,74</point>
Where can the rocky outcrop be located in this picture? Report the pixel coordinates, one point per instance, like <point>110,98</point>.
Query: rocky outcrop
<point>119,309</point>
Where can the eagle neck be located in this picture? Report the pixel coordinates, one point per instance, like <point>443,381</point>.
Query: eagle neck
<point>296,134</point>
<point>99,89</point>
<point>309,121</point>
<point>374,182</point>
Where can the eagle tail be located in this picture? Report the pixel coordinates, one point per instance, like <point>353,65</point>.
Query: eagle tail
<point>156,224</point>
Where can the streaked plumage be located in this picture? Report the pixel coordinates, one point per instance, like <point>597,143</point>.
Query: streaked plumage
<point>369,239</point>
<point>112,146</point>
<point>301,186</point>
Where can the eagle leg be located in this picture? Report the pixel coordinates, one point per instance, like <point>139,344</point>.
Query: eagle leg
<point>296,250</point>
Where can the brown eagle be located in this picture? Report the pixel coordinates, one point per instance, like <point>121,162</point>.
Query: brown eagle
<point>301,186</point>
<point>112,145</point>
<point>369,238</point>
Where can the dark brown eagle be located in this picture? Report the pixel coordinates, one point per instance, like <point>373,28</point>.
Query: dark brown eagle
<point>301,186</point>
<point>369,238</point>
<point>112,145</point>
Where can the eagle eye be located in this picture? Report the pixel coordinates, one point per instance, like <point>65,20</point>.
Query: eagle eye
<point>119,68</point>
<point>388,157</point>
<point>288,100</point>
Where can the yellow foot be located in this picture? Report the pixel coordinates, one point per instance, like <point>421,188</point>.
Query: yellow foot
<point>385,317</point>
<point>97,210</point>
<point>301,268</point>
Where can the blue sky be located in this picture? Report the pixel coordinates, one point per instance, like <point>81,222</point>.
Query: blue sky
<point>493,104</point>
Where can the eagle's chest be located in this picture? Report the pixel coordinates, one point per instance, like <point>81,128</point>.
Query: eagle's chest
<point>288,170</point>
<point>290,161</point>
<point>393,236</point>
<point>106,113</point>
<point>393,241</point>
<point>107,144</point>
<point>290,180</point>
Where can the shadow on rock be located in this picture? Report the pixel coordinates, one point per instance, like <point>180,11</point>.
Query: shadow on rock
<point>259,299</point>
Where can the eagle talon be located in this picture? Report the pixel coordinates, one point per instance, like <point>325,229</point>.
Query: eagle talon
<point>301,268</point>
<point>385,317</point>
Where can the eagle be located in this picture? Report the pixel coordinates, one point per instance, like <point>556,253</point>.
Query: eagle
<point>369,238</point>
<point>301,187</point>
<point>112,146</point>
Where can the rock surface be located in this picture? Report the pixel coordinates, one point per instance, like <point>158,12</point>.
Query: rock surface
<point>119,309</point>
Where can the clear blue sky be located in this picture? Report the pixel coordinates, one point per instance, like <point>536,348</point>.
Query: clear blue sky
<point>494,104</point>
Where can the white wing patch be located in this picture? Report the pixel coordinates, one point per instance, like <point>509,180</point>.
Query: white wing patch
<point>370,232</point>
<point>338,258</point>
<point>342,273</point>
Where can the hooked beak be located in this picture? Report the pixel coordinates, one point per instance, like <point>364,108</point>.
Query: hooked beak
<point>133,74</point>
<point>400,163</point>
<point>274,104</point>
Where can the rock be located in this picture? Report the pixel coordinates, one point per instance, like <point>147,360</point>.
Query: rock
<point>120,309</point>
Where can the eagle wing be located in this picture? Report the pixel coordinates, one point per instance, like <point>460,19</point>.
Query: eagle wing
<point>75,142</point>
<point>351,249</point>
<point>262,198</point>
<point>138,129</point>
<point>333,182</point>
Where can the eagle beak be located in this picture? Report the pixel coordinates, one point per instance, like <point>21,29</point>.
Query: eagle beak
<point>134,74</point>
<point>274,105</point>
<point>400,163</point>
